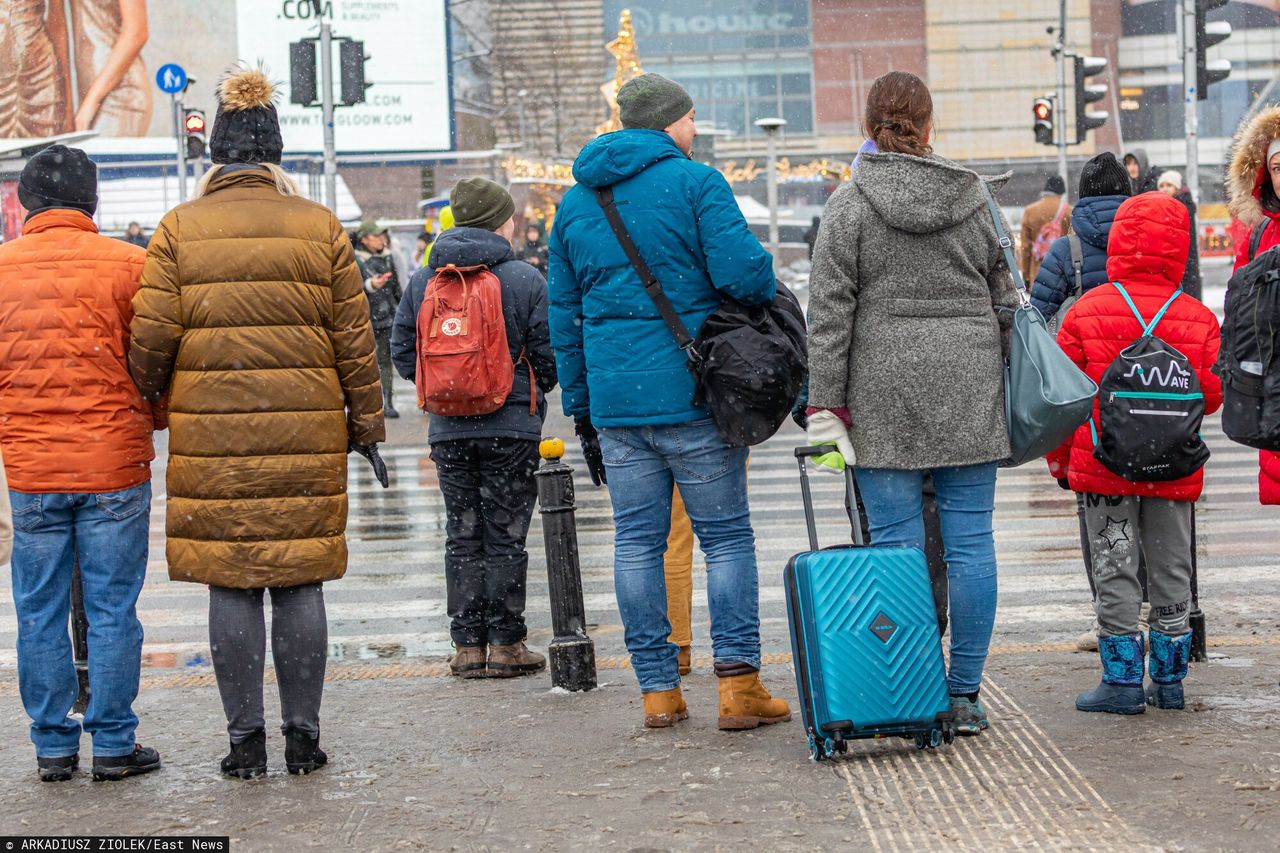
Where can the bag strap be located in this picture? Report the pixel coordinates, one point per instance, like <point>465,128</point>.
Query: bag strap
<point>1062,210</point>
<point>1005,243</point>
<point>1255,238</point>
<point>1077,260</point>
<point>604,197</point>
<point>1147,328</point>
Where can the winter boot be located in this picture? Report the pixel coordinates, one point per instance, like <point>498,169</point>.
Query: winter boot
<point>58,769</point>
<point>248,758</point>
<point>1121,689</point>
<point>1088,641</point>
<point>1168,667</point>
<point>684,659</point>
<point>388,407</point>
<point>110,768</point>
<point>515,659</point>
<point>302,752</point>
<point>663,708</point>
<point>468,662</point>
<point>744,701</point>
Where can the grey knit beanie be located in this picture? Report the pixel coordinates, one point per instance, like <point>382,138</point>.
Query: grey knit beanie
<point>652,102</point>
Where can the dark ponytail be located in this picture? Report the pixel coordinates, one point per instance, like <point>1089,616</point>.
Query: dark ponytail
<point>899,112</point>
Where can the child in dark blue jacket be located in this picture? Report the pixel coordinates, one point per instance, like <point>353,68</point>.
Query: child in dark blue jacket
<point>1104,186</point>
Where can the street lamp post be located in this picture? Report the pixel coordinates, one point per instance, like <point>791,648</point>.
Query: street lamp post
<point>771,126</point>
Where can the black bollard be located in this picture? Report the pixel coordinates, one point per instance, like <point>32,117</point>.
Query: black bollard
<point>79,637</point>
<point>572,654</point>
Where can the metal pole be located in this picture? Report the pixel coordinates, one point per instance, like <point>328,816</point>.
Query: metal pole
<point>771,182</point>
<point>326,101</point>
<point>1062,121</point>
<point>179,133</point>
<point>1186,42</point>
<point>572,653</point>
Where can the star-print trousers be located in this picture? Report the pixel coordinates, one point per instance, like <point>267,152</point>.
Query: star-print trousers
<point>1118,528</point>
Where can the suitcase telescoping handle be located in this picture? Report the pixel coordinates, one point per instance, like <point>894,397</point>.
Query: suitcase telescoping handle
<point>850,493</point>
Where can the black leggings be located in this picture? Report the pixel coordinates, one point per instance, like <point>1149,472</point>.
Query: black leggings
<point>299,646</point>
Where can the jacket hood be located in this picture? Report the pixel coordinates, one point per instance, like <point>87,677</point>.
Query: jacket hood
<point>1150,239</point>
<point>469,247</point>
<point>622,154</point>
<point>1144,163</point>
<point>1091,218</point>
<point>1249,168</point>
<point>921,195</point>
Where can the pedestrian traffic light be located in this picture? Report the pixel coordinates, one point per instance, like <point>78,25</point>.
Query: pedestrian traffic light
<point>351,58</point>
<point>1086,119</point>
<point>302,72</point>
<point>1042,110</point>
<point>1207,35</point>
<point>195,127</point>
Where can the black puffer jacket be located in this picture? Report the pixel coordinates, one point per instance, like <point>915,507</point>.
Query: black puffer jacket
<point>384,300</point>
<point>524,308</point>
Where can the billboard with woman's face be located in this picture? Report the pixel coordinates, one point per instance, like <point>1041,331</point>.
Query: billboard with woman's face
<point>75,65</point>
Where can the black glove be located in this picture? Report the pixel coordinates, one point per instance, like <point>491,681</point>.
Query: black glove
<point>591,450</point>
<point>798,414</point>
<point>1064,483</point>
<point>370,452</point>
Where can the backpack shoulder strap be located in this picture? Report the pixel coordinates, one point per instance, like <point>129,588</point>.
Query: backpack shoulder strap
<point>604,197</point>
<point>1077,260</point>
<point>1148,328</point>
<point>1255,238</point>
<point>1142,321</point>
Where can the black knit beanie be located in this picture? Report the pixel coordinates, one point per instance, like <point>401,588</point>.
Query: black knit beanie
<point>246,128</point>
<point>59,176</point>
<point>652,102</point>
<point>1055,185</point>
<point>1104,175</point>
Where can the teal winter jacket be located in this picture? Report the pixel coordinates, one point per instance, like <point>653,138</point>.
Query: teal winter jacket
<point>615,357</point>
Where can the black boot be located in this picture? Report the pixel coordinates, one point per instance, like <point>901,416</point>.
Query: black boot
<point>388,407</point>
<point>143,759</point>
<point>302,753</point>
<point>248,758</point>
<point>58,769</point>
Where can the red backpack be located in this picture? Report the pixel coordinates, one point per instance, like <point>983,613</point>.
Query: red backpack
<point>1049,232</point>
<point>464,360</point>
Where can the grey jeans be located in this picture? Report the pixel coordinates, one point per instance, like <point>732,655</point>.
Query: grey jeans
<point>1121,529</point>
<point>299,647</point>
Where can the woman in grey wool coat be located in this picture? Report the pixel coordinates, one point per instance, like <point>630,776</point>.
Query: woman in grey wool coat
<point>906,357</point>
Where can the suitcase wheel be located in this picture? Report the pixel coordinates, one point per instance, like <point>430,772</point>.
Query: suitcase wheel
<point>815,751</point>
<point>935,738</point>
<point>842,746</point>
<point>948,732</point>
<point>921,741</point>
<point>829,748</point>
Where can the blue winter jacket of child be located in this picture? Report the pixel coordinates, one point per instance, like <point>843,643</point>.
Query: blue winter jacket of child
<point>1056,282</point>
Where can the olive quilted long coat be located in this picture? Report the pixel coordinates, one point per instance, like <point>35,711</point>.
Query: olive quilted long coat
<point>252,313</point>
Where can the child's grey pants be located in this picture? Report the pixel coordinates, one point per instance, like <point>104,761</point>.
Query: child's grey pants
<point>1118,527</point>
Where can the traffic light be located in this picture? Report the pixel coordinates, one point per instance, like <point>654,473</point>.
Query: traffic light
<point>302,72</point>
<point>195,127</point>
<point>351,60</point>
<point>1207,35</point>
<point>1086,119</point>
<point>1042,110</point>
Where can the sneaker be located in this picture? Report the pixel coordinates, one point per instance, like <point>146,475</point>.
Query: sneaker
<point>111,768</point>
<point>58,769</point>
<point>468,662</point>
<point>970,717</point>
<point>302,752</point>
<point>513,660</point>
<point>248,758</point>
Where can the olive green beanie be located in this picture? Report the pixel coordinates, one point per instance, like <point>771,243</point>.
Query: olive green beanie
<point>480,203</point>
<point>652,102</point>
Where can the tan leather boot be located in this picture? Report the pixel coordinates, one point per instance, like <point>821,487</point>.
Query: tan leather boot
<point>468,662</point>
<point>664,708</point>
<point>685,659</point>
<point>746,704</point>
<point>515,659</point>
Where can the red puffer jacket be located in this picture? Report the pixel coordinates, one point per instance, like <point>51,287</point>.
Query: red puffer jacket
<point>1146,252</point>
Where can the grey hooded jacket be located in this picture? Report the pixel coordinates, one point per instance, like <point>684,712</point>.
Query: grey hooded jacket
<point>903,330</point>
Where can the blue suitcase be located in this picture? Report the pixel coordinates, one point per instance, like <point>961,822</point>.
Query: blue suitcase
<point>864,639</point>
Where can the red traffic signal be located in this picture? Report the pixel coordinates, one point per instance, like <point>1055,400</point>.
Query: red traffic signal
<point>1042,111</point>
<point>195,122</point>
<point>195,126</point>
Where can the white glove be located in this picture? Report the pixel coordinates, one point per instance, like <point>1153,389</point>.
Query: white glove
<point>826,428</point>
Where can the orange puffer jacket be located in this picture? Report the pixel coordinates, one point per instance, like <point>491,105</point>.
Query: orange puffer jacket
<point>71,419</point>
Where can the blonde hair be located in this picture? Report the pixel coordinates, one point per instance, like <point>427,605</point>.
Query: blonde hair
<point>285,185</point>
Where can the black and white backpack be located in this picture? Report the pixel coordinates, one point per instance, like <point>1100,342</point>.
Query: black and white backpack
<point>1150,407</point>
<point>1247,360</point>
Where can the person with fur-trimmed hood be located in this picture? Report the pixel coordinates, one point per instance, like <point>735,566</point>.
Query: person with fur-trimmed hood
<point>1253,187</point>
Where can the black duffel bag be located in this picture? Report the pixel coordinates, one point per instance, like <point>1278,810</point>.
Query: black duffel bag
<point>749,362</point>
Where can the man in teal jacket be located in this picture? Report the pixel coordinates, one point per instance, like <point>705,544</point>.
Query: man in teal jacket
<point>621,371</point>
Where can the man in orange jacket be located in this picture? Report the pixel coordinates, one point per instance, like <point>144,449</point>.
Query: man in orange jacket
<point>77,451</point>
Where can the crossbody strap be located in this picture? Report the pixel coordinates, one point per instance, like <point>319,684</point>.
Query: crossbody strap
<point>1005,243</point>
<point>1077,260</point>
<point>1147,328</point>
<point>604,196</point>
<point>1255,238</point>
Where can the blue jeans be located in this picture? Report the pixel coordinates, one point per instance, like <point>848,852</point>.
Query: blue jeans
<point>642,463</point>
<point>108,533</point>
<point>966,500</point>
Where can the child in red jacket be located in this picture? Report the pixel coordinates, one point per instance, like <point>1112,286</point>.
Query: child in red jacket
<point>1146,253</point>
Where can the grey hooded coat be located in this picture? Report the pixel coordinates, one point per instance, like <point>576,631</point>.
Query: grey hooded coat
<point>907,272</point>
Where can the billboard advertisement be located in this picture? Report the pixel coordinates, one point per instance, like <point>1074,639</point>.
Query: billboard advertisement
<point>91,65</point>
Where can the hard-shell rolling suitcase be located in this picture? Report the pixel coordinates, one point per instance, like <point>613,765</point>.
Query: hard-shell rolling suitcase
<point>864,640</point>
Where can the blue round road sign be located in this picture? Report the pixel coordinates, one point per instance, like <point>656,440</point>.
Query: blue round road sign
<point>171,78</point>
